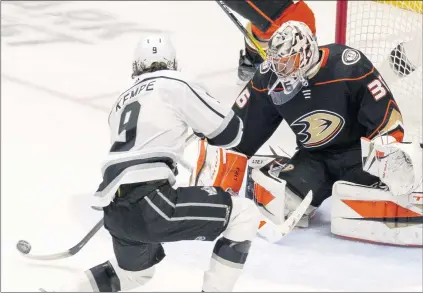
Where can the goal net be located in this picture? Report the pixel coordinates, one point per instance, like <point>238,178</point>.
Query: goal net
<point>389,33</point>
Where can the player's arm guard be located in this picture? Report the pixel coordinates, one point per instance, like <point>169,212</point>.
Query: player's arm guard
<point>375,215</point>
<point>218,167</point>
<point>392,163</point>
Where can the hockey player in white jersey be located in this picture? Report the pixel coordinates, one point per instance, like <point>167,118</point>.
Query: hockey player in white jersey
<point>149,124</point>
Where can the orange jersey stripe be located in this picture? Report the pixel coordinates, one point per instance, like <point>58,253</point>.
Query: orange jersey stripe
<point>384,119</point>
<point>263,90</point>
<point>346,79</point>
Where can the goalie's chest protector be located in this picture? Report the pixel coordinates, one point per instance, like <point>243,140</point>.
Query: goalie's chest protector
<point>323,114</point>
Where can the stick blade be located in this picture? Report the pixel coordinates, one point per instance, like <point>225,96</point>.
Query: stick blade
<point>296,216</point>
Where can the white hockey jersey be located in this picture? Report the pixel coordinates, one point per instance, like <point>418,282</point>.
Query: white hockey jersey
<point>149,124</point>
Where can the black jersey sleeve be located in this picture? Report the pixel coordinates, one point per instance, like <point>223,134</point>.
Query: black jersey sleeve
<point>378,111</point>
<point>259,116</point>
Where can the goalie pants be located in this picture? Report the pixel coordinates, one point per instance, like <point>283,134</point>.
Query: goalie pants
<point>147,214</point>
<point>319,170</point>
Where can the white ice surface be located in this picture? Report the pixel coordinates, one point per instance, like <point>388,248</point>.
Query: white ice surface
<point>62,66</point>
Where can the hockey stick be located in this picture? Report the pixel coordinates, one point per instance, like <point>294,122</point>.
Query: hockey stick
<point>296,216</point>
<point>24,247</point>
<point>274,233</point>
<point>242,29</point>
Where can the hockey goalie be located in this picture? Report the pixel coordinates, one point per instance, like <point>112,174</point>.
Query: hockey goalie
<point>349,132</point>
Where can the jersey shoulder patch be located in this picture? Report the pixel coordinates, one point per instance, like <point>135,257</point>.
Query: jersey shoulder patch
<point>350,56</point>
<point>348,63</point>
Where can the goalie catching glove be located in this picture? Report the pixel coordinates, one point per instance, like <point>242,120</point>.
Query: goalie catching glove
<point>391,161</point>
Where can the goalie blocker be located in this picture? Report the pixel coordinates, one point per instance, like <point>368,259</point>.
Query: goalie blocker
<point>226,168</point>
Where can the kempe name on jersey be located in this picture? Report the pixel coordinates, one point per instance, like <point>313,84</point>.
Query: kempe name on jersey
<point>144,85</point>
<point>140,86</point>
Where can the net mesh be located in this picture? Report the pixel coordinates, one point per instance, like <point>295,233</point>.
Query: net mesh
<point>389,33</point>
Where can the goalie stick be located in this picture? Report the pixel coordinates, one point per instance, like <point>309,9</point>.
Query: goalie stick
<point>296,215</point>
<point>279,231</point>
<point>242,29</point>
<point>24,247</point>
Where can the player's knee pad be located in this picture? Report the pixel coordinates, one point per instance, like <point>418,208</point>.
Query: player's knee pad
<point>109,277</point>
<point>232,252</point>
<point>243,221</point>
<point>226,265</point>
<point>375,215</point>
<point>219,167</point>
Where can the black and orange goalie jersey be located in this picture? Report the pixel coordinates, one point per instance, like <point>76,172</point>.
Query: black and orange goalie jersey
<point>347,99</point>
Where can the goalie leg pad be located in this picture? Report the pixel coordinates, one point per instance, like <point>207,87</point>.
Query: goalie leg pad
<point>375,215</point>
<point>270,206</point>
<point>279,208</point>
<point>275,200</point>
<point>269,195</point>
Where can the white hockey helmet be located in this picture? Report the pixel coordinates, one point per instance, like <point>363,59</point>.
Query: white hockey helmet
<point>292,50</point>
<point>152,53</point>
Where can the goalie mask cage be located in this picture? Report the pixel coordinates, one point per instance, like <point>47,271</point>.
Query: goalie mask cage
<point>389,33</point>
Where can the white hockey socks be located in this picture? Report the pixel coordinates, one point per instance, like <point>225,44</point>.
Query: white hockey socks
<point>231,251</point>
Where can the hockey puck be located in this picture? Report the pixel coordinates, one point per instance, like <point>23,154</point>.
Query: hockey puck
<point>23,246</point>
